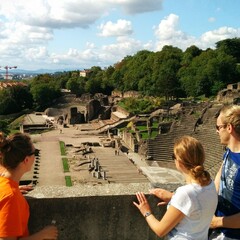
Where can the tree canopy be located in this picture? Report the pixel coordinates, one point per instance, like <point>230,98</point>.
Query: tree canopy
<point>169,73</point>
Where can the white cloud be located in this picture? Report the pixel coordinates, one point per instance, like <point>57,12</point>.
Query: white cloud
<point>168,33</point>
<point>121,28</point>
<point>209,38</point>
<point>28,28</point>
<point>53,13</point>
<point>75,58</point>
<point>123,47</point>
<point>39,53</point>
<point>104,56</point>
<point>168,28</point>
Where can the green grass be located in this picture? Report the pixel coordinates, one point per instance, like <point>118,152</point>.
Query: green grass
<point>68,181</point>
<point>145,135</point>
<point>154,134</point>
<point>65,165</point>
<point>62,148</point>
<point>142,128</point>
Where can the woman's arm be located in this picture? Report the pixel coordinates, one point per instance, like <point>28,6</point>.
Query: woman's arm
<point>218,179</point>
<point>170,219</point>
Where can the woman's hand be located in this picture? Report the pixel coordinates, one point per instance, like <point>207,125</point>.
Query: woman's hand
<point>216,222</point>
<point>25,188</point>
<point>143,205</point>
<point>162,194</point>
<point>49,232</point>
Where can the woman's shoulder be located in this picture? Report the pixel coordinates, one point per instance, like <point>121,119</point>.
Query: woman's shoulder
<point>8,188</point>
<point>189,189</point>
<point>186,187</point>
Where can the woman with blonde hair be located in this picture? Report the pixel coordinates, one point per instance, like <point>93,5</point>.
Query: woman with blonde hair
<point>192,206</point>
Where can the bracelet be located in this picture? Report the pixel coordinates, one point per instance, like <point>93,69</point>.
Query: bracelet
<point>147,214</point>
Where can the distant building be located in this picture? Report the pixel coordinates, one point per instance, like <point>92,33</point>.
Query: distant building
<point>84,73</point>
<point>8,84</point>
<point>36,121</point>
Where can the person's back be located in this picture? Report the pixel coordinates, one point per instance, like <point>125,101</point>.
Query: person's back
<point>13,219</point>
<point>191,207</point>
<point>198,205</point>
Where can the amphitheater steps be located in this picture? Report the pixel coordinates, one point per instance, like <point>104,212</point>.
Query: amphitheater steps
<point>160,149</point>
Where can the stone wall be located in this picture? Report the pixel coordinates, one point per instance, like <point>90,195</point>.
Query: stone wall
<point>92,212</point>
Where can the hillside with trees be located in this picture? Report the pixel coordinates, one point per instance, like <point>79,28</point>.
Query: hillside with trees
<point>170,74</point>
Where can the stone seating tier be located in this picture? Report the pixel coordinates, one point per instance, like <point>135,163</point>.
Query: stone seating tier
<point>160,149</point>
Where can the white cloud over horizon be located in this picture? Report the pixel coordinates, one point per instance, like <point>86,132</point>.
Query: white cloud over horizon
<point>57,34</point>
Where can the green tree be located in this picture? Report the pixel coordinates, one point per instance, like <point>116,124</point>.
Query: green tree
<point>107,81</point>
<point>137,70</point>
<point>4,127</point>
<point>189,54</point>
<point>22,97</point>
<point>165,69</point>
<point>43,95</point>
<point>230,47</point>
<point>208,73</point>
<point>76,85</point>
<point>94,80</point>
<point>44,91</point>
<point>8,104</point>
<point>61,79</point>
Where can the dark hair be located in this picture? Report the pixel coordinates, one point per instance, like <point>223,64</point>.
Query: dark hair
<point>14,149</point>
<point>191,154</point>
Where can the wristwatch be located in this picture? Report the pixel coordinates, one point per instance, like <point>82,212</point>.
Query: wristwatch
<point>147,214</point>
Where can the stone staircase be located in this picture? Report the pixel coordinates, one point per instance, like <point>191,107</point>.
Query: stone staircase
<point>161,148</point>
<point>209,138</point>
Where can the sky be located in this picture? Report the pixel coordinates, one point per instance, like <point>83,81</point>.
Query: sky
<point>79,34</point>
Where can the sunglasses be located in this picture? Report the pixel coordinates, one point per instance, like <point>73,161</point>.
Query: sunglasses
<point>34,152</point>
<point>218,127</point>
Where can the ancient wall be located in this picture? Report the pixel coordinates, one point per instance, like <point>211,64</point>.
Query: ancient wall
<point>101,216</point>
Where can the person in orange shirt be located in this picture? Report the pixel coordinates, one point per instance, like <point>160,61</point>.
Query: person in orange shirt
<point>17,155</point>
<point>24,189</point>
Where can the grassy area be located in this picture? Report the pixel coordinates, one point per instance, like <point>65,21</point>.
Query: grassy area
<point>154,134</point>
<point>140,104</point>
<point>68,181</point>
<point>142,128</point>
<point>65,165</point>
<point>62,148</point>
<point>146,136</point>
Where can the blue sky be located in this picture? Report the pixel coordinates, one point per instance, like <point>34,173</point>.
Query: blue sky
<point>77,34</point>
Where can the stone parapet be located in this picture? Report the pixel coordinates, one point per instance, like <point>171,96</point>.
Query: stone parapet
<point>93,212</point>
